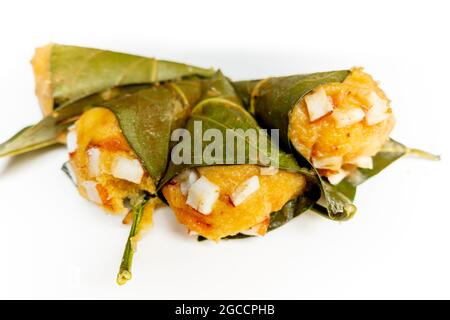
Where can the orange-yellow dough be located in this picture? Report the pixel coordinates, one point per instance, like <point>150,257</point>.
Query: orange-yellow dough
<point>227,219</point>
<point>324,138</point>
<point>42,76</point>
<point>99,129</point>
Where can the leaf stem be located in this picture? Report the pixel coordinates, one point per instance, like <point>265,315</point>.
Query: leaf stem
<point>130,248</point>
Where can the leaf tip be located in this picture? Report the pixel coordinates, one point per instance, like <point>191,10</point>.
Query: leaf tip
<point>349,210</point>
<point>423,154</point>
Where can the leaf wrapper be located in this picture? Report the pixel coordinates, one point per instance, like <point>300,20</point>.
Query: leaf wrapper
<point>391,151</point>
<point>71,79</point>
<point>51,128</point>
<point>78,72</point>
<point>148,117</point>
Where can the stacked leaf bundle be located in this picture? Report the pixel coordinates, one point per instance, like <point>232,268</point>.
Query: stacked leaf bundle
<point>118,113</point>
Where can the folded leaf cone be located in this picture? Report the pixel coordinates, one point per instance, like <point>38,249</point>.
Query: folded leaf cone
<point>222,110</point>
<point>65,74</point>
<point>71,79</point>
<point>272,100</point>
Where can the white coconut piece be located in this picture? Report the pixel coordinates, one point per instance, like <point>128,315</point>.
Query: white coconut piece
<point>364,162</point>
<point>244,190</point>
<point>186,179</point>
<point>71,141</point>
<point>202,195</point>
<point>318,104</point>
<point>344,118</point>
<point>94,162</point>
<point>378,110</point>
<point>330,163</point>
<point>91,190</point>
<point>336,178</point>
<point>127,169</point>
<point>268,171</point>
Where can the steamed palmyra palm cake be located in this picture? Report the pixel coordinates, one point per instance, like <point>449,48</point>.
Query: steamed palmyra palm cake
<point>126,107</point>
<point>215,200</point>
<point>118,152</point>
<point>338,123</point>
<point>337,120</point>
<point>341,126</point>
<point>107,170</point>
<point>228,215</point>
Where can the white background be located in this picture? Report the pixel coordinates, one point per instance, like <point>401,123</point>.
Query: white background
<point>54,244</point>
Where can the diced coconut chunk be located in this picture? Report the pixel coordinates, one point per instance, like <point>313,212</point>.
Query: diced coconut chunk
<point>94,162</point>
<point>127,169</point>
<point>244,190</point>
<point>365,162</point>
<point>378,110</point>
<point>72,141</point>
<point>318,104</point>
<point>374,118</point>
<point>344,118</point>
<point>186,179</point>
<point>330,163</point>
<point>336,178</point>
<point>268,171</point>
<point>202,195</point>
<point>91,190</point>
